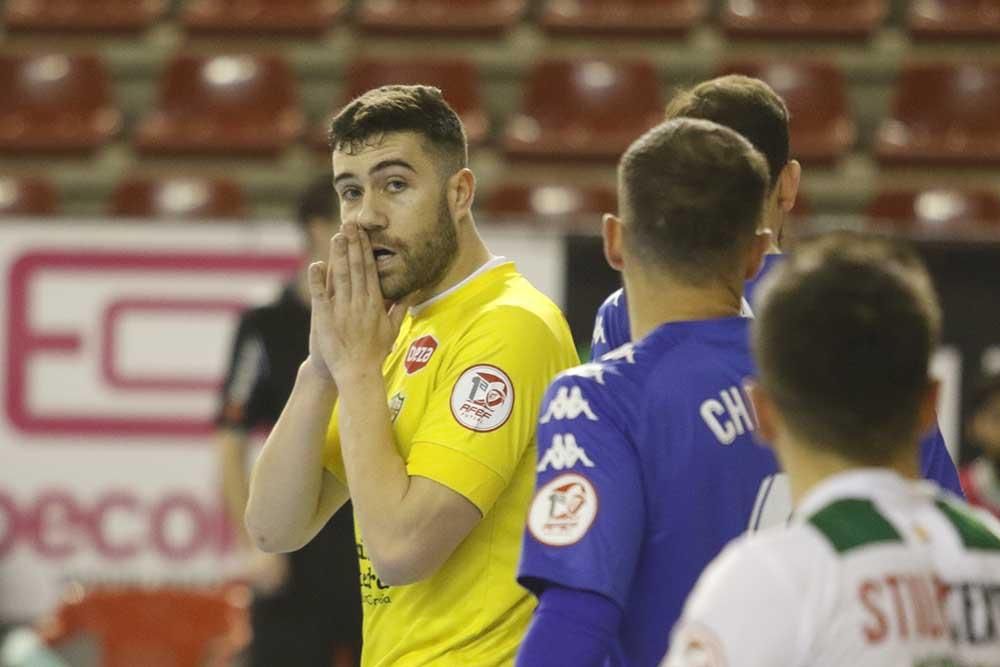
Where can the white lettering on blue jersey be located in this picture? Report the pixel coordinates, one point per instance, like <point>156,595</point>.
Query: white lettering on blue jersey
<point>734,407</point>
<point>568,404</point>
<point>626,352</point>
<point>599,336</point>
<point>592,371</point>
<point>564,453</point>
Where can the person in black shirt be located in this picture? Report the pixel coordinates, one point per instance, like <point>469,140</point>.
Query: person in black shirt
<point>306,610</point>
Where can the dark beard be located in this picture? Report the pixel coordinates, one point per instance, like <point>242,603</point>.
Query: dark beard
<point>426,264</point>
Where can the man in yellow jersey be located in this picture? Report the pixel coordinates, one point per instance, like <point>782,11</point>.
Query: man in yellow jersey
<point>433,433</point>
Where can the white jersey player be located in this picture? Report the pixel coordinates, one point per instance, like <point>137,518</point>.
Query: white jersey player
<point>875,569</point>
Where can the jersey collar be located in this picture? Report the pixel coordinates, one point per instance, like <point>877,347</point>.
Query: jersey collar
<point>484,275</point>
<point>860,483</point>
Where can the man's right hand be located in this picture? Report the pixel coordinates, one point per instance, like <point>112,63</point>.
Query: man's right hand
<point>319,321</point>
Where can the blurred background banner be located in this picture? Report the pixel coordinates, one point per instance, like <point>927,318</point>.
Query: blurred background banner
<point>114,346</point>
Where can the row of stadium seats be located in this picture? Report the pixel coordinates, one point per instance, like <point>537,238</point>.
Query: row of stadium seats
<point>770,19</point>
<point>584,109</point>
<point>186,198</point>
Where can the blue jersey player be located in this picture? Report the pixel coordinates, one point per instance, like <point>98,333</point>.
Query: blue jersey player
<point>753,109</point>
<point>647,466</point>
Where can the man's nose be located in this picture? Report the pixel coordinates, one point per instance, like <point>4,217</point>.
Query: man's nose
<point>370,215</point>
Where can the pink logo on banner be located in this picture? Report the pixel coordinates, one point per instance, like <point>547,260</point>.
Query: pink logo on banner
<point>122,275</point>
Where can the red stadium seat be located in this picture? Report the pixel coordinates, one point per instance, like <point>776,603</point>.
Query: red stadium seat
<point>937,208</point>
<point>821,125</point>
<point>948,19</point>
<point>165,628</point>
<point>276,17</point>
<point>235,104</point>
<point>551,200</point>
<point>422,17</point>
<point>584,109</point>
<point>26,196</point>
<point>82,16</point>
<point>55,103</point>
<point>943,114</point>
<point>622,17</point>
<point>802,19</point>
<point>178,198</point>
<point>457,79</point>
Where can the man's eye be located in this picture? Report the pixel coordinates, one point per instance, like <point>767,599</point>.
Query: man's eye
<point>350,194</point>
<point>396,186</point>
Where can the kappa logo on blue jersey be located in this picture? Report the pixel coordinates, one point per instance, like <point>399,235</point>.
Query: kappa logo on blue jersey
<point>568,404</point>
<point>599,336</point>
<point>626,352</point>
<point>592,371</point>
<point>564,453</point>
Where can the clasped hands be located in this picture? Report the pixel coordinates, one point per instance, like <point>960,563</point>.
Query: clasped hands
<point>351,332</point>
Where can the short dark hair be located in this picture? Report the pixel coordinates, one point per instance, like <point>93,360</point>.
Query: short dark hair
<point>745,104</point>
<point>692,194</point>
<point>398,108</point>
<point>843,337</point>
<point>319,200</point>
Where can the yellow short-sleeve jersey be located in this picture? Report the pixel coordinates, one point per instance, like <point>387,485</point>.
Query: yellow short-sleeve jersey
<point>464,382</point>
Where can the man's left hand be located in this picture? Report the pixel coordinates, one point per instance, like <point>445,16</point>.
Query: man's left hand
<point>362,331</point>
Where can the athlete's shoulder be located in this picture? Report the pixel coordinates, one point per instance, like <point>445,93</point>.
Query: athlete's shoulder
<point>614,301</point>
<point>517,301</point>
<point>615,368</point>
<point>793,555</point>
<point>606,385</point>
<point>611,324</point>
<point>978,523</point>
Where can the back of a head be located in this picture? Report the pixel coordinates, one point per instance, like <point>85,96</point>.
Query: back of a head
<point>741,103</point>
<point>318,202</point>
<point>397,108</point>
<point>843,337</point>
<point>691,194</point>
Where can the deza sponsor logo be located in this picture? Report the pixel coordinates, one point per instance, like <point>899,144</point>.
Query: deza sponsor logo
<point>420,353</point>
<point>57,524</point>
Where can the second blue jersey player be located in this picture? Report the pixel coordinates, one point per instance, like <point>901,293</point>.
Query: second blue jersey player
<point>647,466</point>
<point>753,109</point>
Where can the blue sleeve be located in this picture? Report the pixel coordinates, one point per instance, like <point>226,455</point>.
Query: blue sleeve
<point>936,464</point>
<point>611,326</point>
<point>585,524</point>
<point>570,628</point>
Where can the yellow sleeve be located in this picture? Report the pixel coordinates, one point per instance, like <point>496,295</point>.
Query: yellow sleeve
<point>333,460</point>
<point>480,418</point>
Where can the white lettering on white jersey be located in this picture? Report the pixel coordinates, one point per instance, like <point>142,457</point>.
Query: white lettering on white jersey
<point>729,418</point>
<point>568,404</point>
<point>564,453</point>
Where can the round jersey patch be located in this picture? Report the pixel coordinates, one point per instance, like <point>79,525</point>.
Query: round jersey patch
<point>483,398</point>
<point>563,510</point>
